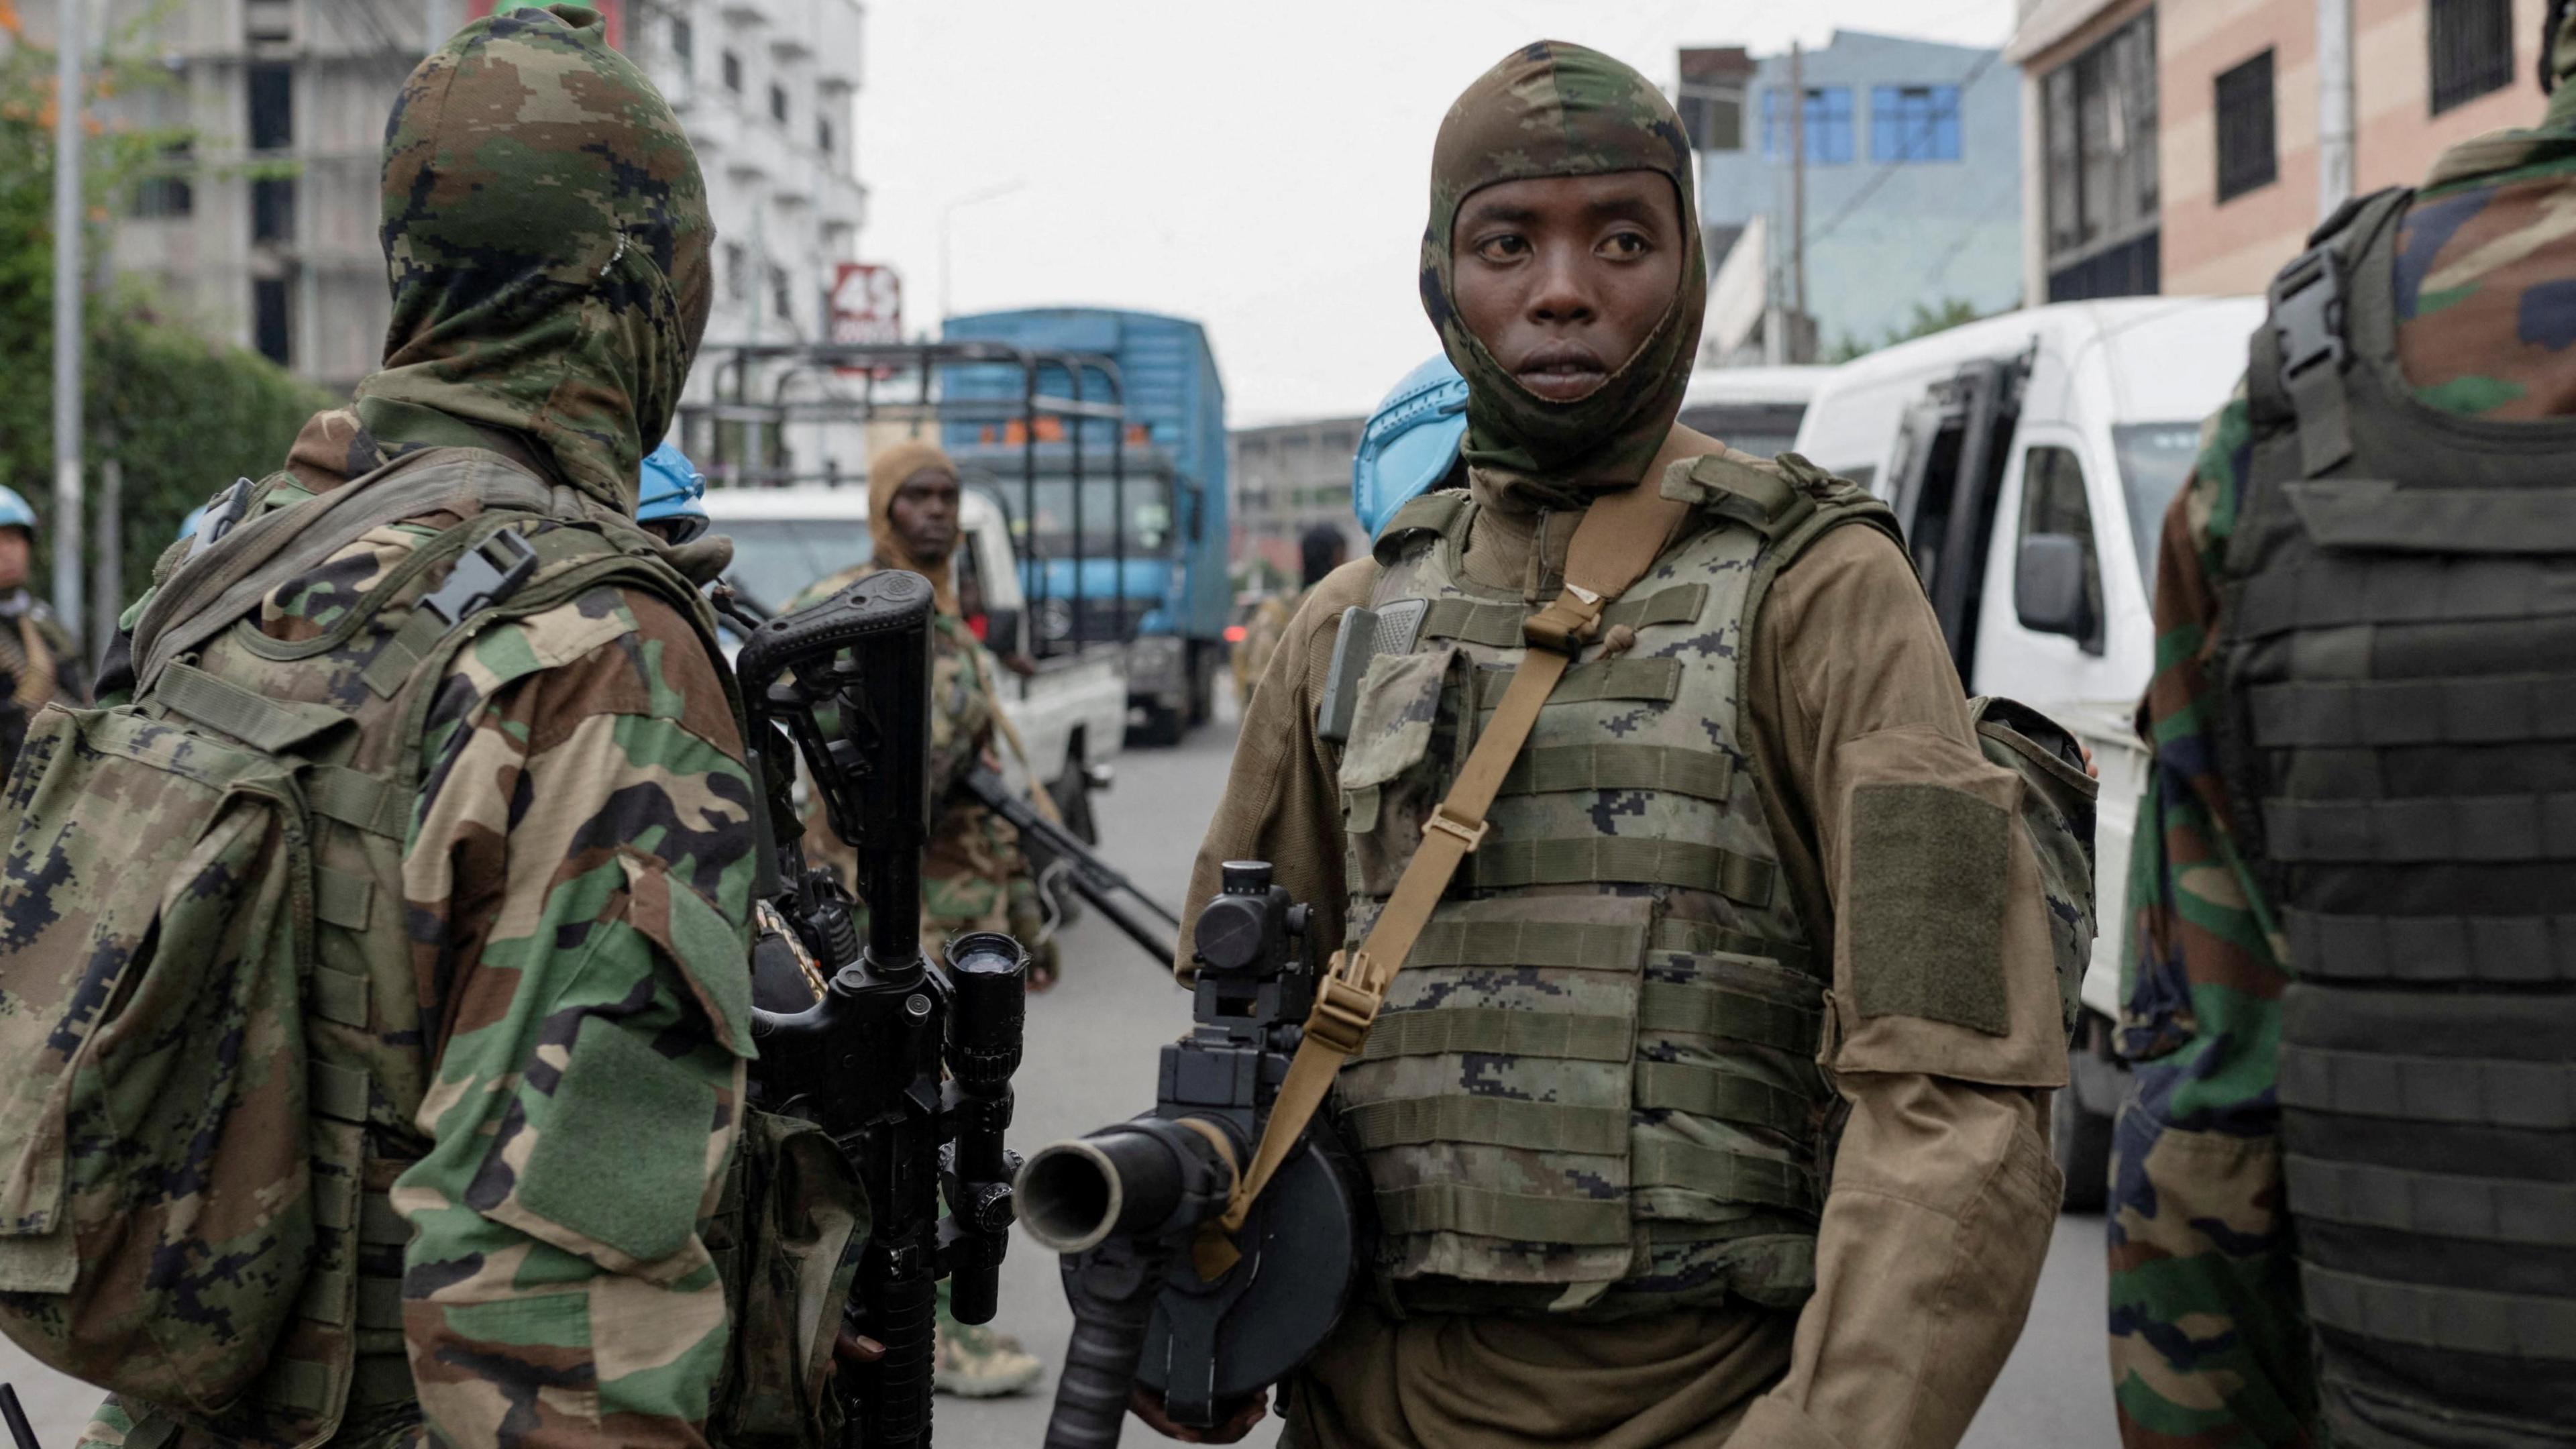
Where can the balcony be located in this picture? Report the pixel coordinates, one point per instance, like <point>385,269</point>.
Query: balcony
<point>844,201</point>
<point>745,12</point>
<point>839,42</point>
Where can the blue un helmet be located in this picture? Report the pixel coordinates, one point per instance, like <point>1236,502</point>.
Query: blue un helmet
<point>1410,443</point>
<point>14,512</point>
<point>672,494</point>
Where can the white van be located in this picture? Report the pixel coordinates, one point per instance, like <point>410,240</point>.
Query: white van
<point>1072,713</point>
<point>2030,458</point>
<point>1756,409</point>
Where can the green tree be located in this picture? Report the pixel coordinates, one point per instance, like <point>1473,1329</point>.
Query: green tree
<point>181,414</point>
<point>1949,312</point>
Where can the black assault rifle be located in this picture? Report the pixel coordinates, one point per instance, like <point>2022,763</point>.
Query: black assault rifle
<point>848,682</point>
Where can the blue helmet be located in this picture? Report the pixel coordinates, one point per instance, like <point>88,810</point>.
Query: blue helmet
<point>14,512</point>
<point>672,493</point>
<point>1410,442</point>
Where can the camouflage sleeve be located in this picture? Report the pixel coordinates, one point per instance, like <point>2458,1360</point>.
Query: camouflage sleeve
<point>577,890</point>
<point>2208,1342</point>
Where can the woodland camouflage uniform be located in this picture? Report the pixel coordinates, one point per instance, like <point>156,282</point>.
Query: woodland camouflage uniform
<point>560,1085</point>
<point>2210,1344</point>
<point>39,661</point>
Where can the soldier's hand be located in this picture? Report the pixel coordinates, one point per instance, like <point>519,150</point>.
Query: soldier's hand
<point>1244,1417</point>
<point>855,1351</point>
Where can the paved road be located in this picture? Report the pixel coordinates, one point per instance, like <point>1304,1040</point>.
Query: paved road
<point>1090,1061</point>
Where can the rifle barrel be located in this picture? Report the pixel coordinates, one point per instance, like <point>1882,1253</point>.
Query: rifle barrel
<point>1094,879</point>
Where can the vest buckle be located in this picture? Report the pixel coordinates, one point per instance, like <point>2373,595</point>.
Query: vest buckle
<point>1344,1008</point>
<point>1470,833</point>
<point>1561,627</point>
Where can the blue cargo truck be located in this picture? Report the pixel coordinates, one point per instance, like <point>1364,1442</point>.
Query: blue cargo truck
<point>1149,492</point>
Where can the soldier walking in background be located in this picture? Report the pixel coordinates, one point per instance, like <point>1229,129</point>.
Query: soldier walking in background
<point>1320,550</point>
<point>1751,832</point>
<point>39,660</point>
<point>2343,1199</point>
<point>973,876</point>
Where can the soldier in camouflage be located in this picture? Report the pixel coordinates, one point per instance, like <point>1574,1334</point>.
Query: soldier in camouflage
<point>2210,1335</point>
<point>39,661</point>
<point>1709,1106</point>
<point>973,875</point>
<point>1320,550</point>
<point>552,1023</point>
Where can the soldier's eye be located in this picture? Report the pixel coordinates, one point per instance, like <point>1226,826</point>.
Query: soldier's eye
<point>1503,248</point>
<point>1626,245</point>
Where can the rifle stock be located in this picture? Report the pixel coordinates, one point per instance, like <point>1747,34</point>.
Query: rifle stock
<point>849,683</point>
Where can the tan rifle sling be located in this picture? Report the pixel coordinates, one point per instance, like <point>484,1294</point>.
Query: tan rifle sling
<point>1618,539</point>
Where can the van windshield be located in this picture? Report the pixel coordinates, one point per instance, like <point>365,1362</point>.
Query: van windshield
<point>2154,458</point>
<point>775,558</point>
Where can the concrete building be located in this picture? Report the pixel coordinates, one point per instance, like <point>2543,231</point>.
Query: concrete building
<point>2177,142</point>
<point>1913,193</point>
<point>1287,478</point>
<point>262,229</point>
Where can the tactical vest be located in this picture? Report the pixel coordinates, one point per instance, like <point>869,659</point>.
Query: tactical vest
<point>330,727</point>
<point>2398,697</point>
<point>1593,1086</point>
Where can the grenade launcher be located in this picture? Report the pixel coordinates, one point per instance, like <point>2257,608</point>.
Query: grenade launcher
<point>847,685</point>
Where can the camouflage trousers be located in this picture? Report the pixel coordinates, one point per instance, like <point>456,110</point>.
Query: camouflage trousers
<point>2209,1343</point>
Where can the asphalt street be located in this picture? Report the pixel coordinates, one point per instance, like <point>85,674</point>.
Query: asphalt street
<point>1091,1055</point>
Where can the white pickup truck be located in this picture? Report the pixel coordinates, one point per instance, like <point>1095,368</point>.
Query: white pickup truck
<point>1071,714</point>
<point>2030,457</point>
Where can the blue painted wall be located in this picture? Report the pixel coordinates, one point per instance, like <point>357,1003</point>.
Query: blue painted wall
<point>1883,236</point>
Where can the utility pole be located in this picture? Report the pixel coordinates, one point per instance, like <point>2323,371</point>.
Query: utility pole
<point>68,120</point>
<point>2334,105</point>
<point>1798,328</point>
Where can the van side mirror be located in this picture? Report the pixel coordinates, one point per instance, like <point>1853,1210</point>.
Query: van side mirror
<point>2049,588</point>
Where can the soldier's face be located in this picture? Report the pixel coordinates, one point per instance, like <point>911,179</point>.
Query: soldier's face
<point>14,550</point>
<point>1564,277</point>
<point>924,512</point>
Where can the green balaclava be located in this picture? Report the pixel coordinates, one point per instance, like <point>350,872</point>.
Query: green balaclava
<point>546,235</point>
<point>1554,109</point>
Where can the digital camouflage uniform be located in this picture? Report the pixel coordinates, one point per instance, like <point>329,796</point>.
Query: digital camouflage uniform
<point>2209,1342</point>
<point>584,791</point>
<point>38,662</point>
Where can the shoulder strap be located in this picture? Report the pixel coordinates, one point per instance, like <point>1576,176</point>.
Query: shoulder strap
<point>209,592</point>
<point>2303,351</point>
<point>1617,541</point>
<point>1426,513</point>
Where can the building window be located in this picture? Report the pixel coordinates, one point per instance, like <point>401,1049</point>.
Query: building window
<point>168,193</point>
<point>269,328</point>
<point>272,209</point>
<point>732,64</point>
<point>1828,121</point>
<point>2247,157</point>
<point>272,106</point>
<point>778,104</point>
<point>1914,123</point>
<point>737,272</point>
<point>2471,46</point>
<point>684,44</point>
<point>824,139</point>
<point>2098,128</point>
<point>1712,117</point>
<point>782,298</point>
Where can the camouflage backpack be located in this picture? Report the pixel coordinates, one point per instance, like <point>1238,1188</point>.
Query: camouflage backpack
<point>2057,798</point>
<point>186,1173</point>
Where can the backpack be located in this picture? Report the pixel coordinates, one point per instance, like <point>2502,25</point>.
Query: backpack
<point>180,1165</point>
<point>2057,799</point>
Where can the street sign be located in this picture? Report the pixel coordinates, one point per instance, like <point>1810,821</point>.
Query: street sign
<point>867,303</point>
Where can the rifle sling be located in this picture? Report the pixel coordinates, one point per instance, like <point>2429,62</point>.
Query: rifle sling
<point>1616,542</point>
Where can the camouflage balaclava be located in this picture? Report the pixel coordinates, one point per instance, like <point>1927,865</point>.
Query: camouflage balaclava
<point>1554,109</point>
<point>547,239</point>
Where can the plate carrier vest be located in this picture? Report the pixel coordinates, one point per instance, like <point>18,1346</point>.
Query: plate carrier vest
<point>2398,691</point>
<point>1593,1084</point>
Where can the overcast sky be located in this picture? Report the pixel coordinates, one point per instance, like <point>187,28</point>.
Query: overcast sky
<point>1262,167</point>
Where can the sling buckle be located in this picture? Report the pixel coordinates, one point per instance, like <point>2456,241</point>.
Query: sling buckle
<point>486,575</point>
<point>1470,833</point>
<point>1344,1008</point>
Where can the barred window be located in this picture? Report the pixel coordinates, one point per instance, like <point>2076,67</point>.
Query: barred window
<point>2470,44</point>
<point>1828,122</point>
<point>1914,123</point>
<point>2247,155</point>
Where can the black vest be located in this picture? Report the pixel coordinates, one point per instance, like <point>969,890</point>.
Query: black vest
<point>2397,705</point>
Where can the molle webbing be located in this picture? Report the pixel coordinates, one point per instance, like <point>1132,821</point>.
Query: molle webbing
<point>1497,625</point>
<point>1696,773</point>
<point>2486,1209</point>
<point>2468,1092</point>
<point>1576,944</point>
<point>2490,710</point>
<point>2330,593</point>
<point>2496,950</point>
<point>2423,829</point>
<point>1506,864</point>
<point>1650,680</point>
<point>2504,1325</point>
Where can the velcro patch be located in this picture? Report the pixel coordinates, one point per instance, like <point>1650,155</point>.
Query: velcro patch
<point>1926,907</point>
